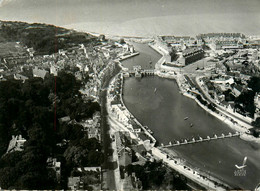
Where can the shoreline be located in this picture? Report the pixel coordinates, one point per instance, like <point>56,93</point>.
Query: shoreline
<point>187,170</point>
<point>245,137</point>
<point>162,153</point>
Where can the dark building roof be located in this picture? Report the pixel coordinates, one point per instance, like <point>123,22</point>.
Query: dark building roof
<point>190,51</point>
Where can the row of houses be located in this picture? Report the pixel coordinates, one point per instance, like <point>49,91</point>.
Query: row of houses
<point>80,182</point>
<point>125,158</point>
<point>227,44</point>
<point>211,37</point>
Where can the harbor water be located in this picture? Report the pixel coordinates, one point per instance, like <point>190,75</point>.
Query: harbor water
<point>157,103</point>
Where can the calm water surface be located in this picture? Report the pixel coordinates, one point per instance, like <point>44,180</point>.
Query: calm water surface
<point>141,18</point>
<point>164,111</point>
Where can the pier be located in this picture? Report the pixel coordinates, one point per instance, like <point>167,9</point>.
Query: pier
<point>128,56</point>
<point>200,139</point>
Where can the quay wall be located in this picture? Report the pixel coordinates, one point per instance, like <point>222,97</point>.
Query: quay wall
<point>129,56</point>
<point>243,128</point>
<point>134,118</point>
<point>159,153</point>
<point>219,116</point>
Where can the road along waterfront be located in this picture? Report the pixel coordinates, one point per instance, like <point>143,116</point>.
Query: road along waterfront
<point>118,124</point>
<point>164,112</point>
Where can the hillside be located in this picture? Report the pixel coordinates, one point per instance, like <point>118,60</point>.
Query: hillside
<point>45,39</point>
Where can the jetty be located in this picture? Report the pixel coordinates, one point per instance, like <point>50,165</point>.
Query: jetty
<point>128,56</point>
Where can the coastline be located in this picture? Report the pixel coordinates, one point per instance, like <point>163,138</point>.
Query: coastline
<point>174,75</point>
<point>233,126</point>
<point>189,171</point>
<point>177,78</point>
<point>163,154</point>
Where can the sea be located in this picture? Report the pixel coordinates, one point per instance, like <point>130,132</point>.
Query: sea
<point>139,18</point>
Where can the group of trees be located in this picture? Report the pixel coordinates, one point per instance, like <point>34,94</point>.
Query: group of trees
<point>245,101</point>
<point>154,175</point>
<point>228,95</point>
<point>256,129</point>
<point>25,110</point>
<point>85,152</point>
<point>28,109</point>
<point>254,84</point>
<point>45,39</point>
<point>209,105</point>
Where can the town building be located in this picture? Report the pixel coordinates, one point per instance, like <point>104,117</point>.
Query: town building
<point>31,52</point>
<point>211,37</point>
<point>94,133</point>
<point>40,73</point>
<point>16,144</point>
<point>125,156</point>
<point>223,80</point>
<point>20,77</point>
<point>74,183</point>
<point>180,40</point>
<point>227,44</point>
<point>90,169</point>
<point>237,90</point>
<point>54,70</point>
<point>121,114</point>
<point>55,165</point>
<point>190,55</point>
<point>131,48</point>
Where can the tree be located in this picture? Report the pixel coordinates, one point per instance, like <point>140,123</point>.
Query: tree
<point>247,99</point>
<point>255,133</point>
<point>254,83</point>
<point>7,177</point>
<point>178,183</point>
<point>95,158</point>
<point>11,159</point>
<point>70,131</point>
<point>36,180</point>
<point>256,123</point>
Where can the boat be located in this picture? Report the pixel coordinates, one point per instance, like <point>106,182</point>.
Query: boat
<point>191,125</point>
<point>155,90</point>
<point>186,118</point>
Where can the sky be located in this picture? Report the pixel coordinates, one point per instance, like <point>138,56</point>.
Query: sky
<point>132,17</point>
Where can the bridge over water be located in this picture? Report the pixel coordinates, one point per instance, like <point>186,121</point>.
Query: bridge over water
<point>200,139</point>
<point>141,73</point>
